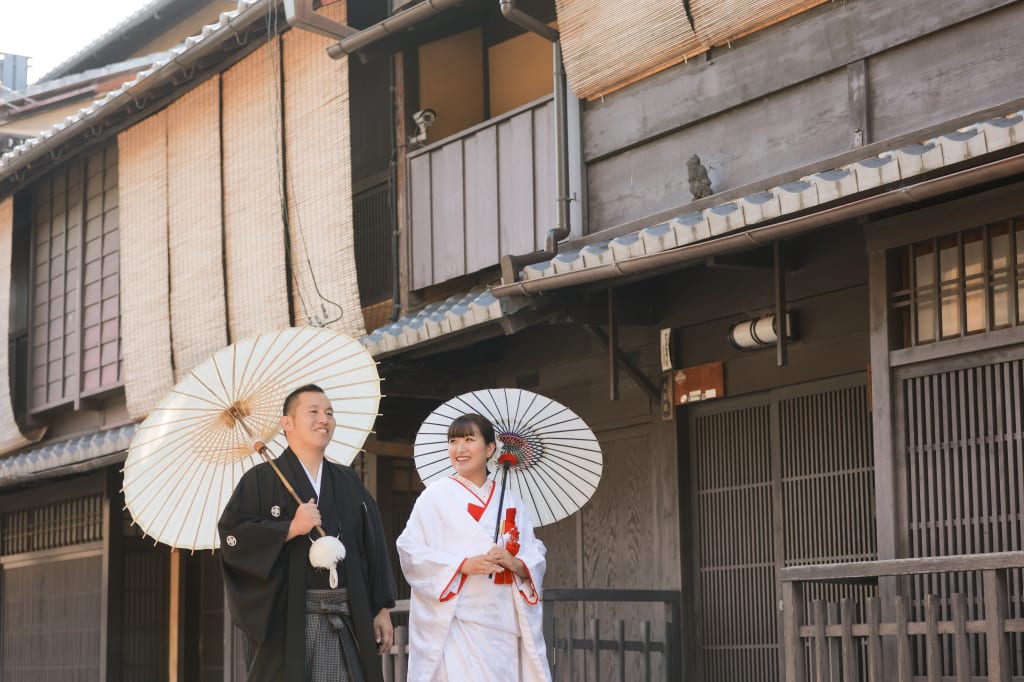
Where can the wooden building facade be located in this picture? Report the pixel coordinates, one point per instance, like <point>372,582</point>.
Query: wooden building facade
<point>844,503</point>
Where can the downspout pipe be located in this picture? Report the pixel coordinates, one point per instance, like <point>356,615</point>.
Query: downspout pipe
<point>396,23</point>
<point>511,264</point>
<point>300,14</point>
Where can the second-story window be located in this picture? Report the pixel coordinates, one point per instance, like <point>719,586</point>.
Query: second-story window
<point>960,284</point>
<point>74,338</point>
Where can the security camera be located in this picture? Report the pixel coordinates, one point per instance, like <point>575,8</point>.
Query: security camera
<point>424,118</point>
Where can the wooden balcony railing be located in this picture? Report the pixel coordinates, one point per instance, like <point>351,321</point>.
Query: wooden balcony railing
<point>484,192</point>
<point>643,658</point>
<point>964,633</point>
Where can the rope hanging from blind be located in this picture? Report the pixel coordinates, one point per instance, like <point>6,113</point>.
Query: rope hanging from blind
<point>11,436</point>
<point>319,181</point>
<point>608,45</point>
<point>254,248</point>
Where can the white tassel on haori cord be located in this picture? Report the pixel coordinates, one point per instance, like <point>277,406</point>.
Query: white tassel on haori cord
<point>327,552</point>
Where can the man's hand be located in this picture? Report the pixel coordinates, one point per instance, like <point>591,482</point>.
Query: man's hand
<point>383,631</point>
<point>480,564</point>
<point>307,516</point>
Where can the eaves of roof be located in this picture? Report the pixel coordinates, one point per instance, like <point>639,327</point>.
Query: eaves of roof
<point>74,455</point>
<point>162,10</point>
<point>181,60</point>
<point>890,179</point>
<point>459,320</point>
<point>40,95</point>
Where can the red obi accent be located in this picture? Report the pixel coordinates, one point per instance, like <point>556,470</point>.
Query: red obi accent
<point>511,544</point>
<point>475,510</point>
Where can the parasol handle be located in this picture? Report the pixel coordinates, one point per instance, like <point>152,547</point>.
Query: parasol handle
<point>259,447</point>
<point>501,496</point>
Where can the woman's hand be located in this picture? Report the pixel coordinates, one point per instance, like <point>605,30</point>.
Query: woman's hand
<point>480,564</point>
<point>506,560</point>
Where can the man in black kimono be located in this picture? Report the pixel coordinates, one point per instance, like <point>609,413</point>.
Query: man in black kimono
<point>299,628</point>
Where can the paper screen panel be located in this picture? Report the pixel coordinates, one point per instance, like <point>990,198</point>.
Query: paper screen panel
<point>607,45</point>
<point>198,315</point>
<point>11,437</point>
<point>254,246</point>
<point>145,306</point>
<point>320,180</point>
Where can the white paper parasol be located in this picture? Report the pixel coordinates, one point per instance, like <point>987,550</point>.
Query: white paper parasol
<point>190,452</point>
<point>559,459</point>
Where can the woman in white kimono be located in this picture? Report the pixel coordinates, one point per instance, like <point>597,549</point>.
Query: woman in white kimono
<point>468,619</point>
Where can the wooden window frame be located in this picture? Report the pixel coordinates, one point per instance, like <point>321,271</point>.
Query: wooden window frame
<point>94,177</point>
<point>884,238</point>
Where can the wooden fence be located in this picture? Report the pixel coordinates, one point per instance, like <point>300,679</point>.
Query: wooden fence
<point>652,655</point>
<point>969,633</point>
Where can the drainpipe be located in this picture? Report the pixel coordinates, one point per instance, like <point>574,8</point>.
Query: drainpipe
<point>300,14</point>
<point>511,264</point>
<point>396,23</point>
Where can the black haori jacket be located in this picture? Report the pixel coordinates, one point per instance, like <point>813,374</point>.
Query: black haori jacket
<point>265,578</point>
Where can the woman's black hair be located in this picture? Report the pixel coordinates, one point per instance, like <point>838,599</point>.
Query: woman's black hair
<point>468,424</point>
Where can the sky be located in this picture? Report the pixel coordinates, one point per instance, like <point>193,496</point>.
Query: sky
<point>50,31</point>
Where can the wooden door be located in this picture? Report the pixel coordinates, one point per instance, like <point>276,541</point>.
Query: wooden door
<point>779,479</point>
<point>960,440</point>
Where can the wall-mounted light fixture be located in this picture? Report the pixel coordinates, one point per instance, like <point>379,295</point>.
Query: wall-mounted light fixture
<point>760,332</point>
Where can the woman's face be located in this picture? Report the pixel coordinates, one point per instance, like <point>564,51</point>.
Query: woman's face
<point>469,454</point>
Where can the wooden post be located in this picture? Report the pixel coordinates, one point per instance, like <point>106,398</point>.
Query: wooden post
<point>820,645</point>
<point>620,642</point>
<point>548,627</point>
<point>902,640</point>
<point>402,658</point>
<point>931,638</point>
<point>995,625</point>
<point>850,649</point>
<point>874,615</point>
<point>647,650</point>
<point>173,626</point>
<point>834,651</point>
<point>570,646</point>
<point>793,617</point>
<point>781,327</point>
<point>961,651</point>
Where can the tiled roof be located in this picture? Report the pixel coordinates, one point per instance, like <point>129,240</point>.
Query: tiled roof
<point>904,163</point>
<point>84,452</point>
<point>109,36</point>
<point>435,320</point>
<point>131,91</point>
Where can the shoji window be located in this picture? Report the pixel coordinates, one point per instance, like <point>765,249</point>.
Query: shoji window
<point>75,327</point>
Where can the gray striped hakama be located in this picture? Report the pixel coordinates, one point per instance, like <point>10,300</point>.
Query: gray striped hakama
<point>331,651</point>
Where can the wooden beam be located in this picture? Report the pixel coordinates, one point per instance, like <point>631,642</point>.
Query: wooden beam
<point>174,623</point>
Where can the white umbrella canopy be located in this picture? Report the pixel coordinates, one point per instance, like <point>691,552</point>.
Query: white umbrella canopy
<point>559,460</point>
<point>192,449</point>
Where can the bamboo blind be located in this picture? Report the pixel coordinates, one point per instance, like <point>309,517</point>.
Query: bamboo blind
<point>198,308</point>
<point>145,306</point>
<point>10,436</point>
<point>607,45</point>
<point>320,180</point>
<point>253,232</point>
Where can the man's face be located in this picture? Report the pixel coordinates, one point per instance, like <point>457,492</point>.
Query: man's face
<point>310,424</point>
